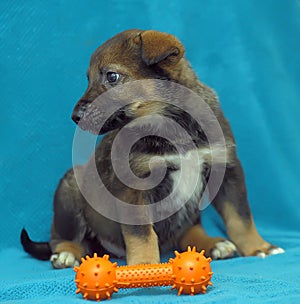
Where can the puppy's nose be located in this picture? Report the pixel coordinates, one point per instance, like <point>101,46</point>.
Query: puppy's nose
<point>79,110</point>
<point>76,116</point>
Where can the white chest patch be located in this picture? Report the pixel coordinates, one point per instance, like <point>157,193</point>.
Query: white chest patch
<point>187,181</point>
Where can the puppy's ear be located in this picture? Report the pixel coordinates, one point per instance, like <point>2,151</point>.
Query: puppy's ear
<point>158,47</point>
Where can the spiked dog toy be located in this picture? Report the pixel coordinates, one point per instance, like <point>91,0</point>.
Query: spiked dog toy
<point>189,272</point>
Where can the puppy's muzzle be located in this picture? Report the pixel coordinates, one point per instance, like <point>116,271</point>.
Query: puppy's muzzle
<point>79,111</point>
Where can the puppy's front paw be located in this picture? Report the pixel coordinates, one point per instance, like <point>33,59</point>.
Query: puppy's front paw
<point>223,250</point>
<point>63,259</point>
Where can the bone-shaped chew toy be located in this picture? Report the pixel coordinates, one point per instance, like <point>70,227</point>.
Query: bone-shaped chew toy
<point>189,272</point>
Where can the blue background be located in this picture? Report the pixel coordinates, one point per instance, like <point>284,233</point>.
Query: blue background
<point>248,51</point>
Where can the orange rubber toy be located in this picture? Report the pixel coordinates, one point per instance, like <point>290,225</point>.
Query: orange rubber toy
<point>189,272</point>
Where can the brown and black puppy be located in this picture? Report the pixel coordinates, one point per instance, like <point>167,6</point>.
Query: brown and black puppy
<point>78,229</point>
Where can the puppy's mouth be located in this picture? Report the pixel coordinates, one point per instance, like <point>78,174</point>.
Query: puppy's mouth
<point>97,121</point>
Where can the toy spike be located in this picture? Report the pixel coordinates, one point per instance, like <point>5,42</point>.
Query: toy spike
<point>191,249</point>
<point>85,295</point>
<point>106,257</point>
<point>189,272</point>
<point>177,254</point>
<point>180,290</point>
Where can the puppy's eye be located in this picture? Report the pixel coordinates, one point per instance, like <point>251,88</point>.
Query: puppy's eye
<point>112,77</point>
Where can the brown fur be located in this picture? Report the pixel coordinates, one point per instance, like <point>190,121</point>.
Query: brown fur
<point>141,248</point>
<point>196,236</point>
<point>76,249</point>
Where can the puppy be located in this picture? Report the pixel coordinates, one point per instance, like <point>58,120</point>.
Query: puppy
<point>79,228</point>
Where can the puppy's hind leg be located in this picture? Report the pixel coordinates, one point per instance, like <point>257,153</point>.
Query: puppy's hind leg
<point>232,204</point>
<point>215,247</point>
<point>69,227</point>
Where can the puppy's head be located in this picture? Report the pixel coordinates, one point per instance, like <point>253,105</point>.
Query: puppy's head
<point>128,56</point>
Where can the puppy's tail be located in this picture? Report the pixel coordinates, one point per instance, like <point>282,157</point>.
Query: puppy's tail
<point>39,250</point>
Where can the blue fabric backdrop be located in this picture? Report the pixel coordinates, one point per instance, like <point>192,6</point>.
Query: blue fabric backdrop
<point>248,51</point>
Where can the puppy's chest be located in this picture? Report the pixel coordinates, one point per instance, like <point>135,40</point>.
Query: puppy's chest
<point>187,181</point>
<point>186,174</point>
<point>182,197</point>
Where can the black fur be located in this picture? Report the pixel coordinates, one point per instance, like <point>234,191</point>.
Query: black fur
<point>39,250</point>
